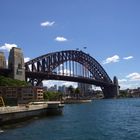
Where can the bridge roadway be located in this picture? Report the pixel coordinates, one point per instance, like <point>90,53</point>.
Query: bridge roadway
<point>46,76</point>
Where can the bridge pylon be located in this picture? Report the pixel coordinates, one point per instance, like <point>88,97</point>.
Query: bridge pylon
<point>16,64</point>
<point>111,91</point>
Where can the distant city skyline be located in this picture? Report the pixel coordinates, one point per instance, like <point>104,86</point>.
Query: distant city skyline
<point>107,30</point>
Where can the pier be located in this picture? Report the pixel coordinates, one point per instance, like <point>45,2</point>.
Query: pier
<point>10,115</point>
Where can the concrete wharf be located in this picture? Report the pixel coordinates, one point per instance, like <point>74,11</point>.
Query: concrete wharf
<point>18,113</point>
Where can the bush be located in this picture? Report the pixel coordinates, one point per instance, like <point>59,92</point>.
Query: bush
<point>5,81</point>
<point>52,96</point>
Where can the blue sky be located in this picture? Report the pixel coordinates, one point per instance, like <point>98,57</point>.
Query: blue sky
<point>110,29</point>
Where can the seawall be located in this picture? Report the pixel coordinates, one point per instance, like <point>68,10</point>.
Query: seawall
<point>15,114</point>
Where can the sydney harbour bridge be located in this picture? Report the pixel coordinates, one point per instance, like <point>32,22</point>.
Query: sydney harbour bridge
<point>69,65</point>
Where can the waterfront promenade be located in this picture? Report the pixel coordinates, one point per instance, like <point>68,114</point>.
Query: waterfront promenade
<point>13,114</point>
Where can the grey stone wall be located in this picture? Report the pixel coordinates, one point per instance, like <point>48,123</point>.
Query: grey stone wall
<point>16,64</point>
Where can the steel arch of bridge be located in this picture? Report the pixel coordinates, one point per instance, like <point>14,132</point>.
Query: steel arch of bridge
<point>42,68</point>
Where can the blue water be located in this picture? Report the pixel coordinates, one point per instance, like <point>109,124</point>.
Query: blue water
<point>117,119</point>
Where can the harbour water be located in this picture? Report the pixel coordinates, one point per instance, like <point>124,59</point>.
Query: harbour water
<point>112,119</point>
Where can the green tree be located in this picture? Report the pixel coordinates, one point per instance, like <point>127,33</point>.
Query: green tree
<point>71,90</point>
<point>46,96</point>
<point>77,92</point>
<point>52,96</point>
<point>5,81</point>
<point>123,93</point>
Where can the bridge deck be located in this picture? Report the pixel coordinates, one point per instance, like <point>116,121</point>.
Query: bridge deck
<point>45,76</point>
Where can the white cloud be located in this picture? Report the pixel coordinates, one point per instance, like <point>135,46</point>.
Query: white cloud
<point>26,59</point>
<point>130,81</point>
<point>129,85</point>
<point>47,24</point>
<point>123,83</point>
<point>129,57</point>
<point>65,72</point>
<point>67,84</point>
<point>122,80</point>
<point>134,76</point>
<point>7,47</point>
<point>6,63</point>
<point>96,88</point>
<point>61,39</point>
<point>51,83</point>
<point>112,59</point>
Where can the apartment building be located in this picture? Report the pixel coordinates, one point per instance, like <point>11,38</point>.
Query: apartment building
<point>21,95</point>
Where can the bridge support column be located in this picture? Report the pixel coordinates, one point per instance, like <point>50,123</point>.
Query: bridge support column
<point>16,64</point>
<point>111,91</point>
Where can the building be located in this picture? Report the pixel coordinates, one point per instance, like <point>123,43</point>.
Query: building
<point>25,95</point>
<point>62,89</point>
<point>10,95</point>
<point>84,89</point>
<point>38,93</point>
<point>21,95</point>
<point>133,92</point>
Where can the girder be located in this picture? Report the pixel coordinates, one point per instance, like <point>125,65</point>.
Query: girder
<point>49,62</point>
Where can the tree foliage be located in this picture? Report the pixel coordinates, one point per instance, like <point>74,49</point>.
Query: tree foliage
<point>5,81</point>
<point>77,91</point>
<point>52,96</point>
<point>71,90</point>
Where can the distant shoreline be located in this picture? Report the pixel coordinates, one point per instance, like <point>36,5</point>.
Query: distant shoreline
<point>78,101</point>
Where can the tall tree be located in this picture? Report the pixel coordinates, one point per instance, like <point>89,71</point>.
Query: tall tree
<point>77,92</point>
<point>71,90</point>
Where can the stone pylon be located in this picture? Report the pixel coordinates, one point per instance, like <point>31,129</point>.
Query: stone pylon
<point>111,91</point>
<point>16,64</point>
<point>2,60</point>
<point>117,87</point>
